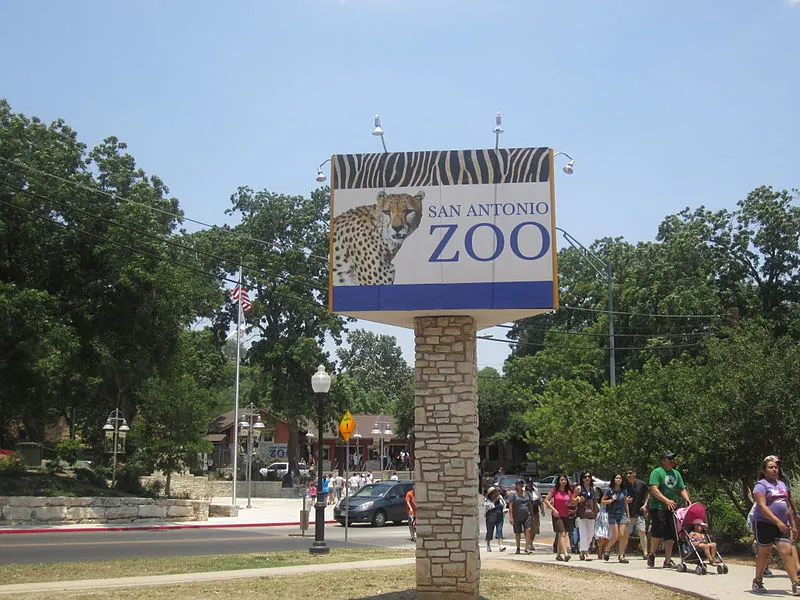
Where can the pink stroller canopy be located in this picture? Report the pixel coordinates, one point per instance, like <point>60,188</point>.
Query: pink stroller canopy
<point>690,514</point>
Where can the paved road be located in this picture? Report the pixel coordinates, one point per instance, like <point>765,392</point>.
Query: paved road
<point>68,546</point>
<point>106,545</point>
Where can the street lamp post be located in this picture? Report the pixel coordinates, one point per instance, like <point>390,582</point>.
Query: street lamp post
<point>309,440</point>
<point>320,383</point>
<point>382,430</point>
<point>251,425</point>
<point>116,429</point>
<point>604,270</point>
<point>357,437</point>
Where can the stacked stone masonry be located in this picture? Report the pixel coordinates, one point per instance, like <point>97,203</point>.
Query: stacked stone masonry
<point>28,510</point>
<point>446,451</point>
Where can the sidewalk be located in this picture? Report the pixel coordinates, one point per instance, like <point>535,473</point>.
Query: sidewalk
<point>267,512</point>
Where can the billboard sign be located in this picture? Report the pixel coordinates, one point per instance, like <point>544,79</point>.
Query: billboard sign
<point>462,232</point>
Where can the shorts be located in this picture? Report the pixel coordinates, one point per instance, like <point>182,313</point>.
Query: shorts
<point>637,525</point>
<point>562,524</point>
<point>615,519</point>
<point>662,524</point>
<point>768,534</point>
<point>521,526</point>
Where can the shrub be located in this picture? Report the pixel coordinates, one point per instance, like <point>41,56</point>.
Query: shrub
<point>11,463</point>
<point>69,451</point>
<point>89,476</point>
<point>128,475</point>
<point>54,466</point>
<point>153,489</point>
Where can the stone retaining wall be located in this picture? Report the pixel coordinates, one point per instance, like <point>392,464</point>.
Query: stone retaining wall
<point>203,488</point>
<point>60,509</point>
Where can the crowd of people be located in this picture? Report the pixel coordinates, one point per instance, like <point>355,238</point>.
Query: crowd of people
<point>587,519</point>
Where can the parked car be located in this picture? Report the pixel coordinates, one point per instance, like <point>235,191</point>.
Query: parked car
<point>277,470</point>
<point>507,482</point>
<point>375,503</point>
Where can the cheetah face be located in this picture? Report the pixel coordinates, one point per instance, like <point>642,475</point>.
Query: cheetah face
<point>399,216</point>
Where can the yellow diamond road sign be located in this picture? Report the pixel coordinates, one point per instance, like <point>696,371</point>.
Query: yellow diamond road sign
<point>347,426</point>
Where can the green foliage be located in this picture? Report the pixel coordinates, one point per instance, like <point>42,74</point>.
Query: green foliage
<point>91,477</point>
<point>169,429</point>
<point>69,451</point>
<point>128,478</point>
<point>11,463</point>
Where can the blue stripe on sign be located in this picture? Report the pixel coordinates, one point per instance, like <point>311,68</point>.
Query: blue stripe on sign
<point>435,296</point>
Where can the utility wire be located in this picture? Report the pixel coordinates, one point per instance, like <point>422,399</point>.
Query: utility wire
<point>531,344</point>
<point>603,334</point>
<point>167,240</point>
<point>148,207</point>
<point>654,315</point>
<point>151,254</point>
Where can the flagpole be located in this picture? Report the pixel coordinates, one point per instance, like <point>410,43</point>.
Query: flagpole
<point>236,392</point>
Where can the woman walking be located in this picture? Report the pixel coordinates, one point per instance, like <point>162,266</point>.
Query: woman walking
<point>495,506</point>
<point>774,523</point>
<point>586,495</point>
<point>618,516</point>
<point>559,500</point>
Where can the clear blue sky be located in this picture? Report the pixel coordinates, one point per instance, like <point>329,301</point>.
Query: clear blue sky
<point>663,104</point>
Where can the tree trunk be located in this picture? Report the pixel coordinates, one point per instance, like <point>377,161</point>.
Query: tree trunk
<point>168,485</point>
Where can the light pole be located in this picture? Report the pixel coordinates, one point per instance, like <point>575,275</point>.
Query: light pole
<point>357,437</point>
<point>382,430</point>
<point>251,425</point>
<point>309,440</point>
<point>604,270</point>
<point>320,383</point>
<point>116,429</point>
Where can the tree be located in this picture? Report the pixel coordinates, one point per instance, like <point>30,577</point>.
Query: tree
<point>282,242</point>
<point>98,237</point>
<point>169,428</point>
<point>374,361</point>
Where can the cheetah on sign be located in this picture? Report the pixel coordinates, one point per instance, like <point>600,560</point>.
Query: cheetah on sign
<point>367,238</point>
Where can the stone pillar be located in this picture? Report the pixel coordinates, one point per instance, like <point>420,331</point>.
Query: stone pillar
<point>446,455</point>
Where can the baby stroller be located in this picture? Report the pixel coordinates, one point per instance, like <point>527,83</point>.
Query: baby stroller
<point>685,518</point>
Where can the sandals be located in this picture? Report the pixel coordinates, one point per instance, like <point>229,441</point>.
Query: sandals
<point>623,560</point>
<point>668,564</point>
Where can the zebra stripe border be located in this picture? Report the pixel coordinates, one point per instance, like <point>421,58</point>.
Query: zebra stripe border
<point>441,167</point>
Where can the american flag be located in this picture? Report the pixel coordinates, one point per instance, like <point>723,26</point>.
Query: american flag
<point>239,294</point>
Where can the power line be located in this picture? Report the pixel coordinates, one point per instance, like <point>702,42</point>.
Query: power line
<point>654,315</point>
<point>150,254</point>
<point>671,347</point>
<point>165,240</point>
<point>604,335</point>
<point>148,207</point>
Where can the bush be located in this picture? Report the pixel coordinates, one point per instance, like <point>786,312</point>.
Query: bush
<point>154,489</point>
<point>89,476</point>
<point>69,451</point>
<point>128,475</point>
<point>11,463</point>
<point>55,466</point>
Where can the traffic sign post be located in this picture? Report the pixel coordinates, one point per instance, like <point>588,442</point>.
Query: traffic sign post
<point>346,428</point>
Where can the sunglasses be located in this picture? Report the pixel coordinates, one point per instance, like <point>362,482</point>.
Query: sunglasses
<point>587,476</point>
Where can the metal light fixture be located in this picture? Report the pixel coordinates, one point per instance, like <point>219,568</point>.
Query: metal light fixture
<point>570,166</point>
<point>321,177</point>
<point>498,129</point>
<point>252,426</point>
<point>378,130</point>
<point>320,383</point>
<point>116,429</point>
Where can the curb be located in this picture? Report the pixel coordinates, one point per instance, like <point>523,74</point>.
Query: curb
<point>150,527</point>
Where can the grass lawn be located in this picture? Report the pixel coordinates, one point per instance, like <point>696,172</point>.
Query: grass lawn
<point>500,580</point>
<point>132,567</point>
